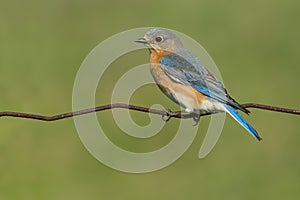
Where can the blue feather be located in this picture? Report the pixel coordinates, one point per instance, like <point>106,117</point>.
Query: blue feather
<point>167,62</point>
<point>210,93</point>
<point>234,113</point>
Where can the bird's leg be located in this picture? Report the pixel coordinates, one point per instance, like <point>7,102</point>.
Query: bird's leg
<point>194,114</point>
<point>166,117</point>
<point>196,118</point>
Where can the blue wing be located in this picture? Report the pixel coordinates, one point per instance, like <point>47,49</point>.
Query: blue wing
<point>184,68</point>
<point>188,70</point>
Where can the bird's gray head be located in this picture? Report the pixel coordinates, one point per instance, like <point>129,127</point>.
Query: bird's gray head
<point>160,39</point>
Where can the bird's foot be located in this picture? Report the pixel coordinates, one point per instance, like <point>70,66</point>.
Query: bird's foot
<point>166,117</point>
<point>196,118</point>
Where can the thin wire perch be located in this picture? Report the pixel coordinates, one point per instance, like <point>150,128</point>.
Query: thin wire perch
<point>164,113</point>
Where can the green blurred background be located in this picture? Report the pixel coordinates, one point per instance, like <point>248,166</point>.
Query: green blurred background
<point>255,44</point>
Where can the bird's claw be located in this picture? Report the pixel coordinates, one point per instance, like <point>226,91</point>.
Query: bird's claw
<point>166,117</point>
<point>196,119</point>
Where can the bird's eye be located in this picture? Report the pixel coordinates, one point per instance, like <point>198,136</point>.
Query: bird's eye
<point>158,39</point>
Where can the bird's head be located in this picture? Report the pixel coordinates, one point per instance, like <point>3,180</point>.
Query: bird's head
<point>160,39</point>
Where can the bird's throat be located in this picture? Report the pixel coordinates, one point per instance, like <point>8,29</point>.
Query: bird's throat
<point>157,54</point>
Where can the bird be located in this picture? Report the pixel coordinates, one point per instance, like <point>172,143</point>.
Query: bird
<point>183,78</point>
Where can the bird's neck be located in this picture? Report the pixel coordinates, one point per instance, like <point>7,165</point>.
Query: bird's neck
<point>157,54</point>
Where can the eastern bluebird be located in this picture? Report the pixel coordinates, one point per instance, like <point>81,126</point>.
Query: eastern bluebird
<point>186,81</point>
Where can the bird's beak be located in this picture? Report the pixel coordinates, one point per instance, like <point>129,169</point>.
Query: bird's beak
<point>141,40</point>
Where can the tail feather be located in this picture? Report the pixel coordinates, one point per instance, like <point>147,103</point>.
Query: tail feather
<point>234,113</point>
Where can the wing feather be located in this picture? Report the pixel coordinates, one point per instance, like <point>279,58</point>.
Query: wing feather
<point>190,71</point>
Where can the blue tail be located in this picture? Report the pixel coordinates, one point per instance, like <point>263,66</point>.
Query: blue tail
<point>234,113</point>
